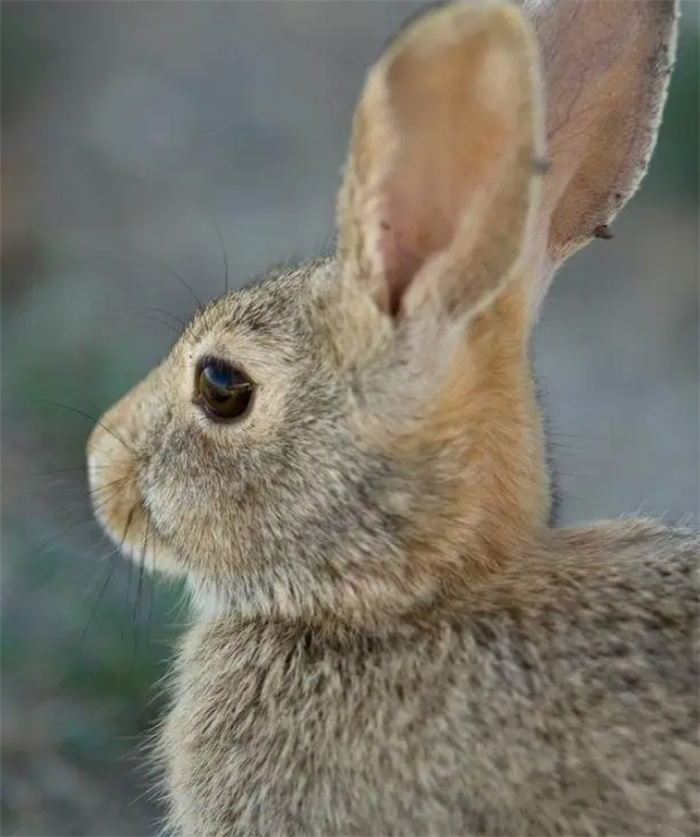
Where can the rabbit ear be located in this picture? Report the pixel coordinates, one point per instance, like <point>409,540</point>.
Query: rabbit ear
<point>439,187</point>
<point>606,66</point>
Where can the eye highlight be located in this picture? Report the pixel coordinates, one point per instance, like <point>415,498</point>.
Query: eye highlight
<point>221,390</point>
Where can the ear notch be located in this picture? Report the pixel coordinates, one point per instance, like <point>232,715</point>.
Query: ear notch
<point>439,186</point>
<point>606,67</point>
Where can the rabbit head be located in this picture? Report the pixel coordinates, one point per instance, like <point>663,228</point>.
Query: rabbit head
<point>359,435</point>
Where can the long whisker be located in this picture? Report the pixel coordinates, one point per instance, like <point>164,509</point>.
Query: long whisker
<point>175,275</point>
<point>139,585</point>
<point>110,573</point>
<point>98,488</point>
<point>185,326</point>
<point>57,537</point>
<point>67,485</point>
<point>153,319</point>
<point>127,252</point>
<point>78,412</point>
<point>72,470</point>
<point>47,483</point>
<point>152,585</point>
<point>162,311</point>
<point>219,235</point>
<point>96,407</point>
<point>96,506</point>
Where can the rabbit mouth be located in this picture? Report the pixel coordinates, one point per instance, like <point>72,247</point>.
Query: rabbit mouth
<point>121,510</point>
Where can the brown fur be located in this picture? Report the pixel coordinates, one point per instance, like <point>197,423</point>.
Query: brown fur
<point>388,637</point>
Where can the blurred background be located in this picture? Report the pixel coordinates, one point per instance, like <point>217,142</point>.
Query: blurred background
<point>132,134</point>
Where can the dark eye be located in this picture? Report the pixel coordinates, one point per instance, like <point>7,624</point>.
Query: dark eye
<point>222,390</point>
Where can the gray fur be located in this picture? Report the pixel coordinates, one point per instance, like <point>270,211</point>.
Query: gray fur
<point>547,718</point>
<point>388,635</point>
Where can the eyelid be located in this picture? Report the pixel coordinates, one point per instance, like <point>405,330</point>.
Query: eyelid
<point>214,360</point>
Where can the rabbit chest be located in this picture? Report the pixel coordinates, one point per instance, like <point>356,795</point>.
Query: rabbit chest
<point>283,730</point>
<point>277,730</point>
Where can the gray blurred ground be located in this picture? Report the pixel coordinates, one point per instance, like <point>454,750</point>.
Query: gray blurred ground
<point>130,130</point>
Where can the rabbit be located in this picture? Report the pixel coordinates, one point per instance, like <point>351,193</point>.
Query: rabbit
<point>346,462</point>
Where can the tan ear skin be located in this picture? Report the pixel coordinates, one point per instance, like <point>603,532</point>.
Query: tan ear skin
<point>439,187</point>
<point>436,211</point>
<point>606,66</point>
<point>440,204</point>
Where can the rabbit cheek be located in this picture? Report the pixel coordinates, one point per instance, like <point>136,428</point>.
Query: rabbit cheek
<point>184,487</point>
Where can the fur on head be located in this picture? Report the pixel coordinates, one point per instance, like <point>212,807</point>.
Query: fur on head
<point>392,448</point>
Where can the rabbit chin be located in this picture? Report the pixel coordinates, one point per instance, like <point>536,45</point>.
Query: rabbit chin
<point>156,557</point>
<point>142,545</point>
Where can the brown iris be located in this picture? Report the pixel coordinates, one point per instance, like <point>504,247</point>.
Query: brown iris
<point>222,390</point>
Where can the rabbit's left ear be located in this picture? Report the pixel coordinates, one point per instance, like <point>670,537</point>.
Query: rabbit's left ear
<point>441,181</point>
<point>606,69</point>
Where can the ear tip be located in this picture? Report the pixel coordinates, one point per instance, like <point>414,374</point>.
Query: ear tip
<point>503,18</point>
<point>504,15</point>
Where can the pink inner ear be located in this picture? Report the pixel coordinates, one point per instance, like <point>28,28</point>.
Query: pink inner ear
<point>401,264</point>
<point>440,167</point>
<point>394,264</point>
<point>400,261</point>
<point>454,121</point>
<point>417,220</point>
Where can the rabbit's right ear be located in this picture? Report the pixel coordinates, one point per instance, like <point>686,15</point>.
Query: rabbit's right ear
<point>441,182</point>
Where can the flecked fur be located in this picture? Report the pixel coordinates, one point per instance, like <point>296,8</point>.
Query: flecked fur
<point>389,637</point>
